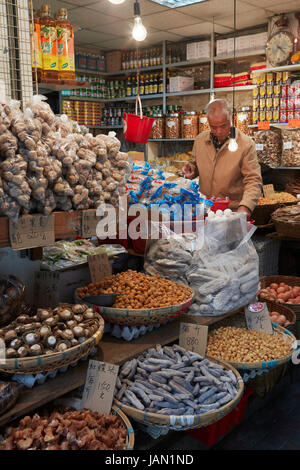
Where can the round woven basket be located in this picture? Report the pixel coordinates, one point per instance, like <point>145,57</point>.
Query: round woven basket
<point>262,214</point>
<point>278,330</point>
<point>282,309</point>
<point>45,363</point>
<point>139,317</point>
<point>290,281</point>
<point>130,432</point>
<point>181,423</point>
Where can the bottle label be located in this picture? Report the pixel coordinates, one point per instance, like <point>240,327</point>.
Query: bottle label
<point>65,46</point>
<point>36,52</point>
<point>49,47</point>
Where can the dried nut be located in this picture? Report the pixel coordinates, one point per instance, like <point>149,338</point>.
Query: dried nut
<point>31,338</point>
<point>43,314</point>
<point>51,341</point>
<point>79,308</point>
<point>44,331</point>
<point>51,321</point>
<point>16,343</point>
<point>22,351</point>
<point>65,314</point>
<point>10,335</point>
<point>35,350</point>
<point>10,352</point>
<point>78,331</point>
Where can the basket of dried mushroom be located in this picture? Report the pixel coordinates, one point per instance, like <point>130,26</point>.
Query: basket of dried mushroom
<point>50,339</point>
<point>287,221</point>
<point>145,300</point>
<point>68,429</point>
<point>170,387</point>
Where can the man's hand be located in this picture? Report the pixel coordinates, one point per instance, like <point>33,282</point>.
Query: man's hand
<point>189,171</point>
<point>244,209</point>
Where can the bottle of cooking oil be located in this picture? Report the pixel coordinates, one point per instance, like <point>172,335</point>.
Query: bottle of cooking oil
<point>48,44</point>
<point>35,43</point>
<point>65,46</point>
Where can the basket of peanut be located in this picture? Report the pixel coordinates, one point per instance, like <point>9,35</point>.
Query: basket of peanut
<point>145,300</point>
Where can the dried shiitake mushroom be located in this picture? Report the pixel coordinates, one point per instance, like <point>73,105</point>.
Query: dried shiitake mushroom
<point>36,350</point>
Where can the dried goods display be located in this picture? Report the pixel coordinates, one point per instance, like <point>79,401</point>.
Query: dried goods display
<point>244,119</point>
<point>46,166</point>
<point>269,147</point>
<point>172,126</point>
<point>158,128</point>
<point>140,290</point>
<point>281,292</point>
<point>67,430</point>
<point>203,122</point>
<point>287,214</point>
<point>291,147</point>
<point>49,331</point>
<point>293,186</point>
<point>275,198</point>
<point>190,126</point>
<point>242,345</point>
<point>170,380</point>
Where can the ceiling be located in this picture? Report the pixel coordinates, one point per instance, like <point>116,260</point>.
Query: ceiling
<point>108,27</point>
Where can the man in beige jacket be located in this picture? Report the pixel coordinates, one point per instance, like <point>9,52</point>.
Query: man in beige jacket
<point>223,172</point>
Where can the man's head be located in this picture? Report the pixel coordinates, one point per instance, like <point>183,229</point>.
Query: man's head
<point>219,118</point>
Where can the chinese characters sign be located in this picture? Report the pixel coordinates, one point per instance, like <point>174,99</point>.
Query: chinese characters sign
<point>46,289</point>
<point>31,231</point>
<point>99,266</point>
<point>258,318</point>
<point>99,386</point>
<point>89,223</point>
<point>193,337</point>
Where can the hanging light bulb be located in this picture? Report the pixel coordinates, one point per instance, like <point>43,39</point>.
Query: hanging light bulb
<point>233,145</point>
<point>139,32</point>
<point>116,2</point>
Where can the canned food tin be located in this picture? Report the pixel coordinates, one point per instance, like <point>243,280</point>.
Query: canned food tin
<point>269,115</point>
<point>255,117</point>
<point>284,91</point>
<point>262,103</point>
<point>283,103</point>
<point>276,115</point>
<point>270,78</point>
<point>255,92</point>
<point>297,114</point>
<point>290,114</point>
<point>290,102</point>
<point>278,78</point>
<point>269,103</point>
<point>263,79</point>
<point>286,77</point>
<point>290,90</point>
<point>277,90</point>
<point>270,91</point>
<point>276,102</point>
<point>262,115</point>
<point>262,91</point>
<point>283,116</point>
<point>255,105</point>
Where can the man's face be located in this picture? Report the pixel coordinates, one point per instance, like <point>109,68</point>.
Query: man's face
<point>219,126</point>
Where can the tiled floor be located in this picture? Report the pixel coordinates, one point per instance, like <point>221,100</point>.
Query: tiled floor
<point>270,423</point>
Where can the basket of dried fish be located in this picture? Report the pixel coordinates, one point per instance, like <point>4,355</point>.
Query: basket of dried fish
<point>89,430</point>
<point>50,339</point>
<point>142,299</point>
<point>173,388</point>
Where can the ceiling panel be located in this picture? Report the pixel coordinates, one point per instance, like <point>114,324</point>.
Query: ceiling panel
<point>120,28</point>
<point>158,36</point>
<point>263,3</point>
<point>284,7</point>
<point>119,43</point>
<point>124,11</point>
<point>89,19</point>
<point>254,17</point>
<point>168,18</point>
<point>82,3</point>
<point>87,36</point>
<point>199,29</point>
<point>54,5</point>
<point>215,8</point>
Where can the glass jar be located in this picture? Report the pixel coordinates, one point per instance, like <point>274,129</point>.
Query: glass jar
<point>190,125</point>
<point>172,126</point>
<point>203,122</point>
<point>244,118</point>
<point>158,127</point>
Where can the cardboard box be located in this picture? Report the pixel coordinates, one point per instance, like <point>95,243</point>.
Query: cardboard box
<point>137,157</point>
<point>113,61</point>
<point>198,50</point>
<point>221,47</point>
<point>181,84</point>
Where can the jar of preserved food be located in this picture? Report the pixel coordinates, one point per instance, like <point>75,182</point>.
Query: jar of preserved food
<point>244,119</point>
<point>190,125</point>
<point>158,128</point>
<point>172,126</point>
<point>203,122</point>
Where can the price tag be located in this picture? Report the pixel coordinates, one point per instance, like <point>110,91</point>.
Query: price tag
<point>258,318</point>
<point>259,147</point>
<point>46,289</point>
<point>99,266</point>
<point>287,145</point>
<point>89,223</point>
<point>99,386</point>
<point>31,231</point>
<point>294,123</point>
<point>193,337</point>
<point>268,189</point>
<point>263,125</point>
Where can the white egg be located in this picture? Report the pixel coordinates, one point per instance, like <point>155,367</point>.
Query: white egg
<point>219,213</point>
<point>211,215</point>
<point>228,212</point>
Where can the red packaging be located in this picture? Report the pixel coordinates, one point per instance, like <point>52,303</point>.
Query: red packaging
<point>283,116</point>
<point>290,102</point>
<point>283,103</point>
<point>297,114</point>
<point>284,91</point>
<point>297,89</point>
<point>290,90</point>
<point>290,114</point>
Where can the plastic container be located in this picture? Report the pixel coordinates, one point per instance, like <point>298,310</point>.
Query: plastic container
<point>219,203</point>
<point>65,45</point>
<point>48,44</point>
<point>158,129</point>
<point>172,126</point>
<point>190,126</point>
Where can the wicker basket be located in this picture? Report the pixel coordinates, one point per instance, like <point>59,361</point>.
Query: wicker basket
<point>181,423</point>
<point>283,310</point>
<point>45,363</point>
<point>262,214</point>
<point>287,229</point>
<point>139,317</point>
<point>130,432</point>
<point>264,383</point>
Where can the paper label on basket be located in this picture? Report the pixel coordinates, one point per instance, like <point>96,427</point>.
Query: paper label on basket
<point>89,223</point>
<point>99,266</point>
<point>259,147</point>
<point>99,386</point>
<point>287,145</point>
<point>258,318</point>
<point>268,189</point>
<point>31,231</point>
<point>46,289</point>
<point>193,337</point>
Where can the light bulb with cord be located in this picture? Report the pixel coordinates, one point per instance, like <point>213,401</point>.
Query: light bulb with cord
<point>233,145</point>
<point>116,2</point>
<point>139,32</point>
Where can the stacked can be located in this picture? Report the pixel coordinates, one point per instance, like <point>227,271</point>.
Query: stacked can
<point>68,108</point>
<point>96,114</point>
<point>269,97</point>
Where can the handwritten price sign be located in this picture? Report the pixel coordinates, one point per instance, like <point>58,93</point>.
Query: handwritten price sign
<point>258,318</point>
<point>89,223</point>
<point>31,231</point>
<point>193,337</point>
<point>99,386</point>
<point>46,289</point>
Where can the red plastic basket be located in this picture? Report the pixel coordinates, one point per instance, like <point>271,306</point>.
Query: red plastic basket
<point>137,128</point>
<point>219,203</point>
